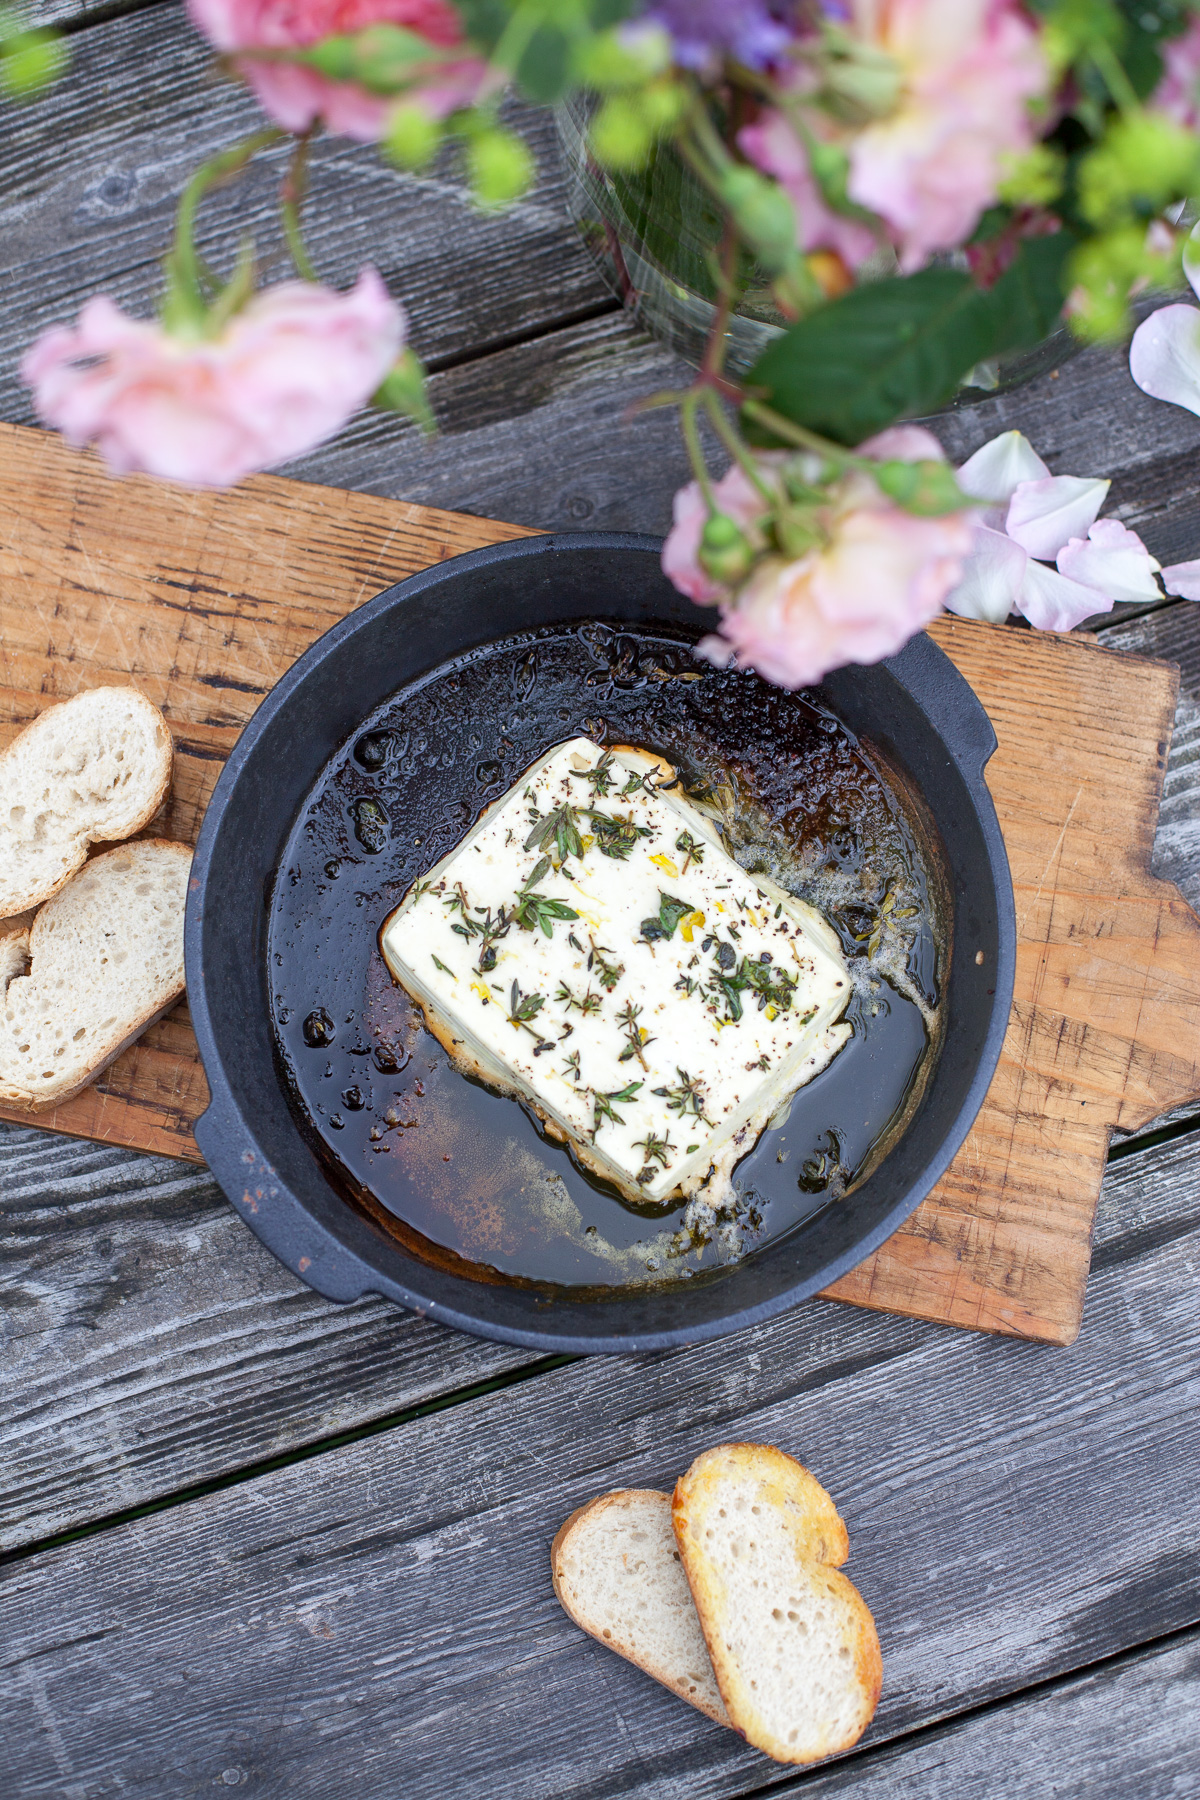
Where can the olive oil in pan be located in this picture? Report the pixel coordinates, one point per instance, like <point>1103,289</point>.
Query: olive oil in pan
<point>467,1177</point>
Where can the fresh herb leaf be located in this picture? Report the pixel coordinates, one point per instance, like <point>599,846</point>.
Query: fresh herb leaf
<point>559,828</point>
<point>670,911</point>
<point>603,1105</point>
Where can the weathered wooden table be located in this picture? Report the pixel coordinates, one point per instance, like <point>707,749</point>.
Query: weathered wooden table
<point>255,1540</point>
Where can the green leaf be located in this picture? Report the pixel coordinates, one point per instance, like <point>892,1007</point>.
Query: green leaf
<point>898,348</point>
<point>544,70</point>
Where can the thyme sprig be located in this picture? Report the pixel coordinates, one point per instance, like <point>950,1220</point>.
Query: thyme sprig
<point>636,1038</point>
<point>615,836</point>
<point>603,1106</point>
<point>533,910</point>
<point>559,828</point>
<point>600,777</point>
<point>590,1003</point>
<point>607,973</point>
<point>692,848</point>
<point>688,1099</point>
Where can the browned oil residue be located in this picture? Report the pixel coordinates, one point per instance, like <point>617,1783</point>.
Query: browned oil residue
<point>466,1178</point>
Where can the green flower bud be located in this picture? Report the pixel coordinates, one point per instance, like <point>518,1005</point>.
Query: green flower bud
<point>797,530</point>
<point>926,488</point>
<point>500,167</point>
<point>1145,161</point>
<point>762,213</point>
<point>725,550</point>
<point>1034,179</point>
<point>30,61</point>
<point>864,83</point>
<point>620,137</point>
<point>402,390</point>
<point>412,136</point>
<point>622,57</point>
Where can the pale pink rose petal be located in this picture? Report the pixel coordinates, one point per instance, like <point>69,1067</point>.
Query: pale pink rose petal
<point>772,145</point>
<point>968,69</point>
<point>1164,357</point>
<point>881,576</point>
<point>1183,579</point>
<point>287,371</point>
<point>296,97</point>
<point>991,578</point>
<point>1054,603</point>
<point>1113,560</point>
<point>903,443</point>
<point>999,467</point>
<point>1178,93</point>
<point>1043,515</point>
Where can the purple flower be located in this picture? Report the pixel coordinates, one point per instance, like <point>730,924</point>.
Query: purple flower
<point>705,30</point>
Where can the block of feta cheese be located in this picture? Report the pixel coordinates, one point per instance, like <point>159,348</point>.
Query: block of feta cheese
<point>591,947</point>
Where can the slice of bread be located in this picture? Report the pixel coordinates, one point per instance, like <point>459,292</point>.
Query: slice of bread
<point>14,948</point>
<point>91,770</point>
<point>792,1642</point>
<point>106,960</point>
<point>617,1573</point>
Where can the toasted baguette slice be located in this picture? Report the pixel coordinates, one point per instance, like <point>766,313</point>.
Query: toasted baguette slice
<point>106,959</point>
<point>91,770</point>
<point>792,1642</point>
<point>618,1574</point>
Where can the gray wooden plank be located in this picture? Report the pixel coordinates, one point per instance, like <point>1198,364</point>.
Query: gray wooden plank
<point>1173,633</point>
<point>1123,1731</point>
<point>94,167</point>
<point>380,1618</point>
<point>150,1342</point>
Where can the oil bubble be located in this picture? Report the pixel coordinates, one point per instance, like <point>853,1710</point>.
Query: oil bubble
<point>319,1029</point>
<point>371,750</point>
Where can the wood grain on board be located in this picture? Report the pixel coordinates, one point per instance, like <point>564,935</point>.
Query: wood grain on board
<point>204,599</point>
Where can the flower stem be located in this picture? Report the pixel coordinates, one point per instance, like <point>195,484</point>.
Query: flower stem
<point>734,444</point>
<point>184,307</point>
<point>1114,77</point>
<point>801,436</point>
<point>691,438</point>
<point>291,199</point>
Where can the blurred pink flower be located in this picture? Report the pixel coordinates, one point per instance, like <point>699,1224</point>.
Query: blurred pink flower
<point>296,97</point>
<point>287,372</point>
<point>881,575</point>
<point>931,166</point>
<point>737,497</point>
<point>773,146</point>
<point>1178,93</point>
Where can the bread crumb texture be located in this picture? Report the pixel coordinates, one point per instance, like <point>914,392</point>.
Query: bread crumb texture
<point>618,1573</point>
<point>792,1641</point>
<point>105,959</point>
<point>93,769</point>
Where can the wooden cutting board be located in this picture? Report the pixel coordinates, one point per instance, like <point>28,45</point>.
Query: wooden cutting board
<point>203,600</point>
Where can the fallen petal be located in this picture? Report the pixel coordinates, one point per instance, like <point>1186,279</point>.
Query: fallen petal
<point>1164,357</point>
<point>1053,603</point>
<point>999,467</point>
<point>991,579</point>
<point>1113,560</point>
<point>1044,515</point>
<point>1183,579</point>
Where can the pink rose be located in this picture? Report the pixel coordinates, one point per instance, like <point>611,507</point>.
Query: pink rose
<point>773,146</point>
<point>1178,93</point>
<point>931,166</point>
<point>736,496</point>
<point>880,576</point>
<point>296,97</point>
<point>287,371</point>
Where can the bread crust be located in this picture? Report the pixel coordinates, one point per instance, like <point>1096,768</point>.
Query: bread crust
<point>34,895</point>
<point>821,1544</point>
<point>107,1051</point>
<point>562,1539</point>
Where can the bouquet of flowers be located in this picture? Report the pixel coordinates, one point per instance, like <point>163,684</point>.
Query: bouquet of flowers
<point>921,185</point>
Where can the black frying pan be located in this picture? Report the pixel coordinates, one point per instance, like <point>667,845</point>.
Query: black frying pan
<point>915,707</point>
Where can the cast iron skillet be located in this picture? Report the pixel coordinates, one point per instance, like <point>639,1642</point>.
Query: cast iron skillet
<point>916,707</point>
